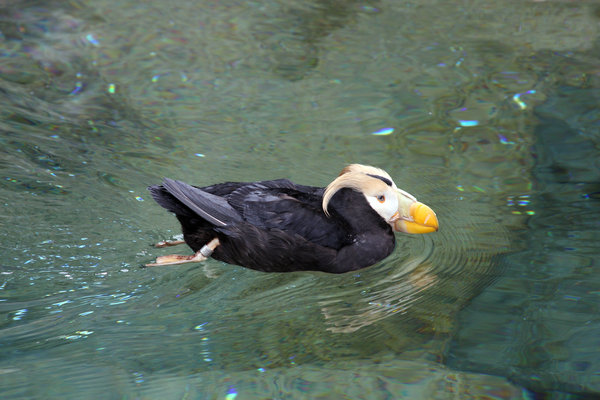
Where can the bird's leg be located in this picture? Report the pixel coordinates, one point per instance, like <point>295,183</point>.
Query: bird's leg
<point>174,259</point>
<point>169,243</point>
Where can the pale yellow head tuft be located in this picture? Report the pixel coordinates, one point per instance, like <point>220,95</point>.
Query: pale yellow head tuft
<point>362,178</point>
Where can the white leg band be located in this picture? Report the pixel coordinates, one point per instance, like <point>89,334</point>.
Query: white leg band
<point>206,251</point>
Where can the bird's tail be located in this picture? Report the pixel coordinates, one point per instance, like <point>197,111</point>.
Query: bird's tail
<point>168,201</point>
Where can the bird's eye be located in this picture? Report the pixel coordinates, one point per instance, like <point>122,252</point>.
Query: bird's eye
<point>381,198</point>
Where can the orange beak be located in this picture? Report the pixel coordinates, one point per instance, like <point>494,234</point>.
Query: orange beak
<point>422,219</point>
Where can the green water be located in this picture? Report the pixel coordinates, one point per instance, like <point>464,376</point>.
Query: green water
<point>486,111</point>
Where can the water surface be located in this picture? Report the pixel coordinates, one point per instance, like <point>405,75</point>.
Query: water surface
<point>486,111</point>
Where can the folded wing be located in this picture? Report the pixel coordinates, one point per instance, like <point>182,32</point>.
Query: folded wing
<point>214,209</point>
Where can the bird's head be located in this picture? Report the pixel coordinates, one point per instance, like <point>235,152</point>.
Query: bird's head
<point>398,208</point>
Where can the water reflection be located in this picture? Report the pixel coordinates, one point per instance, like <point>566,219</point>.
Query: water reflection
<point>391,295</point>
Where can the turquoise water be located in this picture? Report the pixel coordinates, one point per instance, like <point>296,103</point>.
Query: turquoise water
<point>486,111</point>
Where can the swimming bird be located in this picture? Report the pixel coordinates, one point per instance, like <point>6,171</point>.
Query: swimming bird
<point>280,226</point>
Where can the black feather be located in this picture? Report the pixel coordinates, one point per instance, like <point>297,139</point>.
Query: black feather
<point>213,208</point>
<point>279,225</point>
<point>381,178</point>
<point>168,201</point>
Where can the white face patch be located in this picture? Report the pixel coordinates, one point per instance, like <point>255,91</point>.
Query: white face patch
<point>385,202</point>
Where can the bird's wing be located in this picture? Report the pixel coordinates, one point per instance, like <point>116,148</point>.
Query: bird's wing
<point>275,190</point>
<point>214,209</point>
<point>288,207</point>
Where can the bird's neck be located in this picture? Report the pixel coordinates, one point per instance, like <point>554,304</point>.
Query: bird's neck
<point>353,208</point>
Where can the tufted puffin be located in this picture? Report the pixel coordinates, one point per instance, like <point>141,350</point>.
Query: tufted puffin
<point>280,226</point>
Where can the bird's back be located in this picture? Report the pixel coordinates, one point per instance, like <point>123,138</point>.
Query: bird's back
<point>274,205</point>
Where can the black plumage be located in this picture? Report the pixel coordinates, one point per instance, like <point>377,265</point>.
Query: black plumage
<point>280,226</point>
